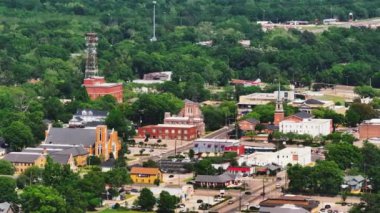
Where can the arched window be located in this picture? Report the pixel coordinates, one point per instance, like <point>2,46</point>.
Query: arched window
<point>100,149</point>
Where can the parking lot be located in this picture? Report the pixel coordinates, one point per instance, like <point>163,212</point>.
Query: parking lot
<point>193,203</point>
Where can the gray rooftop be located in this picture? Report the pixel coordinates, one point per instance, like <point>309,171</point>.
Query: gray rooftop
<point>85,137</point>
<point>22,157</point>
<point>91,112</point>
<point>352,180</point>
<point>60,158</point>
<point>75,151</point>
<point>313,101</point>
<point>303,115</point>
<point>215,178</point>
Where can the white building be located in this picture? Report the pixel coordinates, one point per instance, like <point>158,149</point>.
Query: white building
<point>88,118</point>
<point>184,193</point>
<point>289,155</point>
<point>310,126</point>
<point>213,145</point>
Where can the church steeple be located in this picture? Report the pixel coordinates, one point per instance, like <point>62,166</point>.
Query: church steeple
<point>279,107</point>
<point>279,113</point>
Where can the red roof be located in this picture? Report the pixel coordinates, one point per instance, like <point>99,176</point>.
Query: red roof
<point>238,169</point>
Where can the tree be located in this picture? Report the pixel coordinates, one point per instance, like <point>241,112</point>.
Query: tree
<point>167,203</point>
<point>204,167</point>
<point>191,153</point>
<point>327,178</point>
<point>250,134</point>
<point>344,154</point>
<point>38,198</point>
<point>365,91</point>
<point>359,112</point>
<point>118,177</point>
<point>18,135</point>
<point>7,190</point>
<point>117,121</point>
<point>6,168</point>
<point>146,199</point>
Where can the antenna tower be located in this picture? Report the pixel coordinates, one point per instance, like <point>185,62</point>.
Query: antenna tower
<point>91,61</point>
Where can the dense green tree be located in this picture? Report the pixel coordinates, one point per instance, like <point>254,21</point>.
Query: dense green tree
<point>18,135</point>
<point>365,91</point>
<point>344,154</point>
<point>6,168</point>
<point>166,202</point>
<point>204,167</point>
<point>117,121</point>
<point>146,199</point>
<point>359,112</point>
<point>38,198</point>
<point>7,189</point>
<point>150,164</point>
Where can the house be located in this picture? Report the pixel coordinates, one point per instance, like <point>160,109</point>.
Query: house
<point>217,181</point>
<point>88,118</point>
<point>23,160</point>
<point>145,175</point>
<point>6,208</point>
<point>100,141</point>
<point>184,132</point>
<point>208,145</point>
<point>311,104</point>
<point>310,126</point>
<point>247,102</point>
<point>353,183</point>
<point>248,124</point>
<point>240,170</point>
<point>155,78</point>
<point>288,155</point>
<point>289,203</point>
<point>369,129</point>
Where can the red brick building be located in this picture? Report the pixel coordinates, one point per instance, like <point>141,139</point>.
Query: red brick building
<point>369,129</point>
<point>169,131</point>
<point>96,87</point>
<point>248,124</point>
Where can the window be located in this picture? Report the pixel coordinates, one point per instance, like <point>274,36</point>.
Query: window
<point>166,131</point>
<point>185,131</point>
<point>100,135</point>
<point>173,131</point>
<point>100,149</point>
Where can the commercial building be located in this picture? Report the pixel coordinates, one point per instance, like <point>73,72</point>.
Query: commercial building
<point>217,181</point>
<point>248,124</point>
<point>145,175</point>
<point>369,129</point>
<point>187,125</point>
<point>247,102</point>
<point>169,131</point>
<point>289,155</point>
<point>190,114</point>
<point>23,160</point>
<point>100,141</point>
<point>88,118</point>
<point>302,124</point>
<point>96,87</point>
<point>289,203</point>
<point>239,150</point>
<point>204,145</point>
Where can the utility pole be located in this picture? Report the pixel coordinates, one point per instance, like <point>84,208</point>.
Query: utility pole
<point>154,22</point>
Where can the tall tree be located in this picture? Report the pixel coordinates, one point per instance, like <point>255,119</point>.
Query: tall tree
<point>6,168</point>
<point>146,199</point>
<point>167,203</point>
<point>38,198</point>
<point>7,190</point>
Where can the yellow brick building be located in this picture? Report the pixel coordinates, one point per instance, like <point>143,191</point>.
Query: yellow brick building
<point>145,175</point>
<point>22,161</point>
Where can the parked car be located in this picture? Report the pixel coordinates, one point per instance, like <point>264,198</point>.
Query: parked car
<point>230,202</point>
<point>248,193</point>
<point>171,176</point>
<point>204,206</point>
<point>254,207</point>
<point>134,190</point>
<point>199,201</point>
<point>190,182</point>
<point>181,205</point>
<point>245,175</point>
<point>328,206</point>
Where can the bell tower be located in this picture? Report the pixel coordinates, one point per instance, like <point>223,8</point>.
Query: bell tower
<point>279,113</point>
